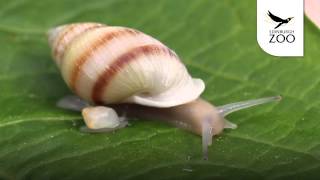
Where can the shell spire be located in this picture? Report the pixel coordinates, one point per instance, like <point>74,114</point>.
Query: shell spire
<point>60,37</point>
<point>111,65</point>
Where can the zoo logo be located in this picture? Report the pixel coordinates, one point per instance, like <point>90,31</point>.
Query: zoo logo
<point>281,36</point>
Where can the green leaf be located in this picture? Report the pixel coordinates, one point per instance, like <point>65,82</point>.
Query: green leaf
<point>217,42</point>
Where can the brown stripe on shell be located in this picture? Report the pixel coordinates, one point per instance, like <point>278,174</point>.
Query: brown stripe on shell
<point>61,37</point>
<point>70,29</point>
<point>119,63</point>
<point>100,43</point>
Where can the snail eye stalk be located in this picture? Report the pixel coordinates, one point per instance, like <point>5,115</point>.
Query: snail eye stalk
<point>230,108</point>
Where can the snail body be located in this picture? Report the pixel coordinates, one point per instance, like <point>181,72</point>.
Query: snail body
<point>135,75</point>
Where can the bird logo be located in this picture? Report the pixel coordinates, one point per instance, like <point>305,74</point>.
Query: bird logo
<point>279,20</point>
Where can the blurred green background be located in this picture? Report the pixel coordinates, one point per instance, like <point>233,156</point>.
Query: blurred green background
<point>217,42</point>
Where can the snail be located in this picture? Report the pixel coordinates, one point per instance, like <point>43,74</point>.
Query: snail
<point>118,72</point>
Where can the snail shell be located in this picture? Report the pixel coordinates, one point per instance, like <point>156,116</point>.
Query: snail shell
<point>110,64</point>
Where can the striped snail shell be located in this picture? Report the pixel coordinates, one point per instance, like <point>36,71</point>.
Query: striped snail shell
<point>110,64</point>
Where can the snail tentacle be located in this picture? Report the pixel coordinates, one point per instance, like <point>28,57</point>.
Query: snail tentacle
<point>230,108</point>
<point>207,136</point>
<point>229,125</point>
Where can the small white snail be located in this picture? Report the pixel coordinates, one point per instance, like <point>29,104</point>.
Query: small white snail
<point>136,76</point>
